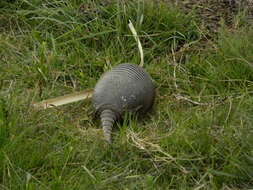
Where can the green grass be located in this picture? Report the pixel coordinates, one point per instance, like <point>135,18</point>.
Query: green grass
<point>199,134</point>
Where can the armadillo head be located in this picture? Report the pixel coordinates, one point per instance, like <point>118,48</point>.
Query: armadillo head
<point>126,87</point>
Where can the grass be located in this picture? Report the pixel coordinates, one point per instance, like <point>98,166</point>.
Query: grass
<point>198,135</point>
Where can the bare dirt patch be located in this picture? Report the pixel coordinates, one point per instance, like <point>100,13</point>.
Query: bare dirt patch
<point>210,12</point>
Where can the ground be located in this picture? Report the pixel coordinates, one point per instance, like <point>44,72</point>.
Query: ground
<point>199,133</point>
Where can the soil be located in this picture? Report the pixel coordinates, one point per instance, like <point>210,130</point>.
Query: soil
<point>210,12</point>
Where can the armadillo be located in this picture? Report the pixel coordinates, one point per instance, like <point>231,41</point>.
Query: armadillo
<point>124,88</point>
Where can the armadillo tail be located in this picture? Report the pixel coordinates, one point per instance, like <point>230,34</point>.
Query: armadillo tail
<point>107,119</point>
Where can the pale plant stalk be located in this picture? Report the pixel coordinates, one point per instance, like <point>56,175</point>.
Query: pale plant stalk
<point>62,100</point>
<point>131,26</point>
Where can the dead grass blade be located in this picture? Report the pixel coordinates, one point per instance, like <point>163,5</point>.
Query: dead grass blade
<point>147,146</point>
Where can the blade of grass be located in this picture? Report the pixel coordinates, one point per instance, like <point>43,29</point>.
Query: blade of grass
<point>86,37</point>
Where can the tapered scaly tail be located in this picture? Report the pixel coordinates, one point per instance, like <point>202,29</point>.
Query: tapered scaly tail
<point>108,118</point>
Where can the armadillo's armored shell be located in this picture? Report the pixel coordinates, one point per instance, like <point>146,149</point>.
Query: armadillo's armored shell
<point>124,87</point>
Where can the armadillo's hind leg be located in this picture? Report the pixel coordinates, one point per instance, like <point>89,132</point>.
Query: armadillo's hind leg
<point>107,119</point>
